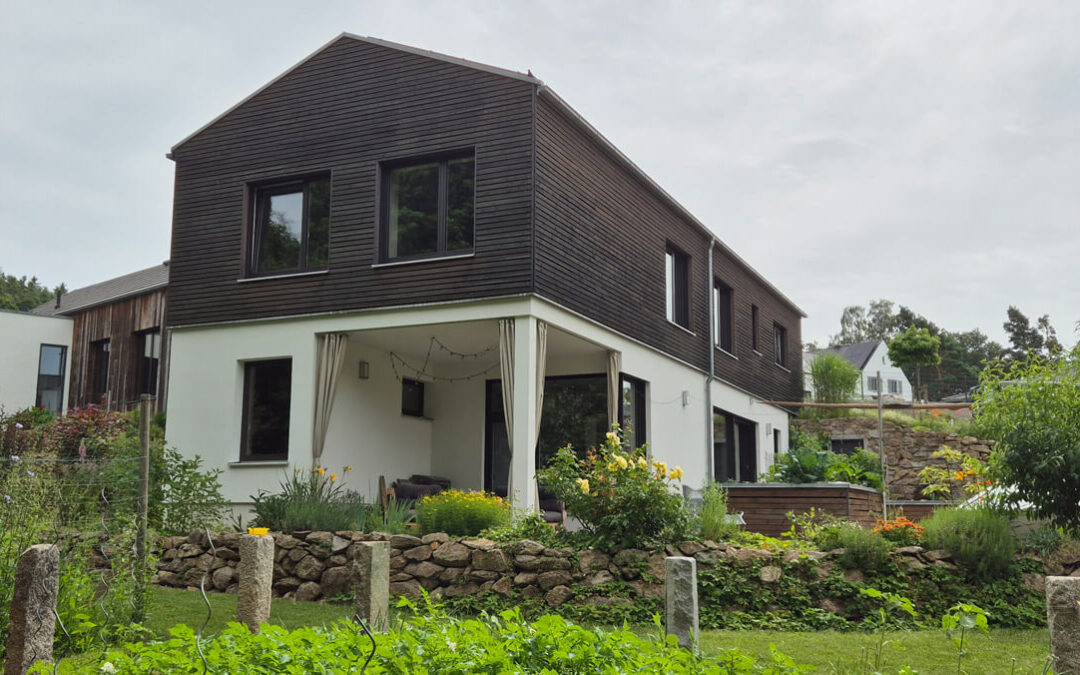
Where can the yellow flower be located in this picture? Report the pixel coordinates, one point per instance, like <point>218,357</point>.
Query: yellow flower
<point>348,468</point>
<point>333,477</point>
<point>612,466</point>
<point>642,463</point>
<point>613,437</point>
<point>321,470</point>
<point>676,473</point>
<point>621,461</point>
<point>583,483</point>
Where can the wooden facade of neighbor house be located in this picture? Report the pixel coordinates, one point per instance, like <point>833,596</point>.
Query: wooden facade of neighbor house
<point>119,342</point>
<point>531,245</point>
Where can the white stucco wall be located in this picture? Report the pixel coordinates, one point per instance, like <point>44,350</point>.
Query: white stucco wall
<point>367,429</point>
<point>21,337</point>
<point>879,360</point>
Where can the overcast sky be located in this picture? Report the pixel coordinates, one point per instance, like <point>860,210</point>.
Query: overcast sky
<point>928,153</point>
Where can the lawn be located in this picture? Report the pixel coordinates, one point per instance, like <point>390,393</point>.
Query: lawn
<point>928,651</point>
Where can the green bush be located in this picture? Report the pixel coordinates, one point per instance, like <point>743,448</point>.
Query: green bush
<point>713,522</point>
<point>834,378</point>
<point>810,464</point>
<point>620,498</point>
<point>311,500</point>
<point>530,526</point>
<point>1044,542</point>
<point>459,513</point>
<point>432,642</point>
<point>863,549</point>
<point>978,539</point>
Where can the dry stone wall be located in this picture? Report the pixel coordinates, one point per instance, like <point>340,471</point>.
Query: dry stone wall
<point>907,450</point>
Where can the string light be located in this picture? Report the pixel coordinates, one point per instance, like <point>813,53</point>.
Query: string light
<point>422,372</point>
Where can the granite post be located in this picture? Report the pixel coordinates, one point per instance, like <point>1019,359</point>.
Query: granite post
<point>256,577</point>
<point>371,583</point>
<point>32,619</point>
<point>680,591</point>
<point>1063,618</point>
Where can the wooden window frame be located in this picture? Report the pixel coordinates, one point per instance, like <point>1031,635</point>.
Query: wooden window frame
<point>141,369</point>
<point>441,250</point>
<point>780,346</point>
<point>259,200</point>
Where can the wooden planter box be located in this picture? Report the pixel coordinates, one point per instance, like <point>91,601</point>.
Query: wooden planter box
<point>765,505</point>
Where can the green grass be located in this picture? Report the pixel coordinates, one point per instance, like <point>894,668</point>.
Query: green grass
<point>171,606</point>
<point>928,651</point>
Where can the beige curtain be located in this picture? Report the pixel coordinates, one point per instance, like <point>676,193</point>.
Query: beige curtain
<point>614,391</point>
<point>506,365</point>
<point>329,354</point>
<point>541,370</point>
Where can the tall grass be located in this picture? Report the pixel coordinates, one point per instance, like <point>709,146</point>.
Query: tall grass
<point>980,539</point>
<point>713,520</point>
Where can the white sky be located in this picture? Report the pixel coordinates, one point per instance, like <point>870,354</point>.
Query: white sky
<point>924,152</point>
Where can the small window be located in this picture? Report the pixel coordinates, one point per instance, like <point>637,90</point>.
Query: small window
<point>780,344</point>
<point>776,442</point>
<point>896,387</point>
<point>753,327</point>
<point>846,446</point>
<point>50,382</point>
<point>678,287</point>
<point>99,370</point>
<point>722,308</point>
<point>149,361</point>
<point>291,228</point>
<point>428,208</point>
<point>267,399</point>
<point>872,383</point>
<point>632,411</point>
<point>412,398</point>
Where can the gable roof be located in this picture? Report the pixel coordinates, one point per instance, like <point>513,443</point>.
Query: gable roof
<point>111,290</point>
<point>542,90</point>
<point>857,354</point>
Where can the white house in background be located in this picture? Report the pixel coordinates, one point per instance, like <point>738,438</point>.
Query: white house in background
<point>414,264</point>
<point>34,361</point>
<point>872,359</point>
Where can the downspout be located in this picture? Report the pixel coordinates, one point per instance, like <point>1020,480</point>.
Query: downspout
<point>709,440</point>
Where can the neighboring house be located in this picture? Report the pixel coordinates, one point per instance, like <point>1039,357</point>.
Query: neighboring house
<point>878,374</point>
<point>118,349</point>
<point>409,263</point>
<point>34,368</point>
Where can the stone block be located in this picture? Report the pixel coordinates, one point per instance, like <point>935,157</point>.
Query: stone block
<point>558,595</point>
<point>681,600</point>
<point>452,554</point>
<point>32,624</point>
<point>371,585</point>
<point>308,591</point>
<point>490,559</point>
<point>1063,619</point>
<point>256,579</point>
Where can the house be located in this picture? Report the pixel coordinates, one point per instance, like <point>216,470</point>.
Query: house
<point>409,263</point>
<point>878,375</point>
<point>34,369</point>
<point>114,330</point>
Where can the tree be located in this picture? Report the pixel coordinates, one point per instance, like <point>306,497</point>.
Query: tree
<point>1032,409</point>
<point>1025,339</point>
<point>915,348</point>
<point>834,379</point>
<point>22,294</point>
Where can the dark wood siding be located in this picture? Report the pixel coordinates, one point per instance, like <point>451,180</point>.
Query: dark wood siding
<point>344,111</point>
<point>601,235</point>
<point>765,506</point>
<point>119,322</point>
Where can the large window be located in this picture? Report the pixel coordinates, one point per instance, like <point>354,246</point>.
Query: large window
<point>428,208</point>
<point>267,395</point>
<point>291,230</point>
<point>678,287</point>
<point>50,382</point>
<point>632,411</point>
<point>149,361</point>
<point>722,309</point>
<point>780,345</point>
<point>98,370</point>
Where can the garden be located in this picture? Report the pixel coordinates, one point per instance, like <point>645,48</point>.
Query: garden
<point>485,589</point>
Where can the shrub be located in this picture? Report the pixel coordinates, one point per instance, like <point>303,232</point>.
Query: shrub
<point>900,531</point>
<point>862,548</point>
<point>523,526</point>
<point>809,463</point>
<point>862,467</point>
<point>84,432</point>
<point>713,520</point>
<point>834,378</point>
<point>1044,542</point>
<point>461,513</point>
<point>620,498</point>
<point>310,500</point>
<point>979,539</point>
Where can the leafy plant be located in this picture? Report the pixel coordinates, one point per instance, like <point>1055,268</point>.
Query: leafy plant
<point>713,521</point>
<point>810,462</point>
<point>310,500</point>
<point>461,513</point>
<point>862,467</point>
<point>523,526</point>
<point>979,539</point>
<point>862,548</point>
<point>1043,542</point>
<point>963,618</point>
<point>961,472</point>
<point>891,602</point>
<point>900,531</point>
<point>620,498</point>
<point>833,378</point>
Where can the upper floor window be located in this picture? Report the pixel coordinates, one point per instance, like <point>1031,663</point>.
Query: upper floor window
<point>149,361</point>
<point>99,369</point>
<point>678,287</point>
<point>267,399</point>
<point>291,227</point>
<point>428,207</point>
<point>50,383</point>
<point>780,344</point>
<point>753,327</point>
<point>722,308</point>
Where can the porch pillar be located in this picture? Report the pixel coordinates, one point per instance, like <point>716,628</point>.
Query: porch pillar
<point>523,443</point>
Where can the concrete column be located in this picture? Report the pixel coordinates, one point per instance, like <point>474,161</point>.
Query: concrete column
<point>32,621</point>
<point>523,463</point>
<point>680,591</point>
<point>371,584</point>
<point>1063,618</point>
<point>256,577</point>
